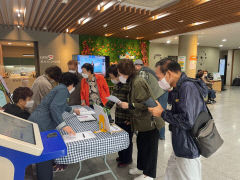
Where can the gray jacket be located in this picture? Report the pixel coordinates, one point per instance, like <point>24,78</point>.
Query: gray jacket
<point>48,115</point>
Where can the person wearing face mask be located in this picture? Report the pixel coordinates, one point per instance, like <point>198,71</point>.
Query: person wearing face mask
<point>152,80</point>
<point>143,122</point>
<point>44,84</point>
<point>94,88</point>
<point>186,104</point>
<point>22,101</point>
<point>123,117</point>
<point>48,116</point>
<point>75,98</point>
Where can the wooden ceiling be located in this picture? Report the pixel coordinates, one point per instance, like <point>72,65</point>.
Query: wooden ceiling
<point>94,18</point>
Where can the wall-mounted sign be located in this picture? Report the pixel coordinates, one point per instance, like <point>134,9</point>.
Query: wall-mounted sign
<point>49,59</point>
<point>182,62</point>
<point>192,62</point>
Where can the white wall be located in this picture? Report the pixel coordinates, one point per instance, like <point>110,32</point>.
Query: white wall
<point>61,46</point>
<point>236,64</point>
<point>210,55</point>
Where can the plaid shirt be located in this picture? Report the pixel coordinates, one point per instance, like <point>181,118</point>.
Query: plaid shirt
<point>121,92</point>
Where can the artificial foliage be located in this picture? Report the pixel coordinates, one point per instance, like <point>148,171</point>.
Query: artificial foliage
<point>114,47</point>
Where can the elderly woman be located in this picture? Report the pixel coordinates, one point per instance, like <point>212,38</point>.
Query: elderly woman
<point>48,116</point>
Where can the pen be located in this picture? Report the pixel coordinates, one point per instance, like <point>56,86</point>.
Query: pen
<point>83,136</point>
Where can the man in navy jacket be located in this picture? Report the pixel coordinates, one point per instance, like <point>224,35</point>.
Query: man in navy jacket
<point>186,104</point>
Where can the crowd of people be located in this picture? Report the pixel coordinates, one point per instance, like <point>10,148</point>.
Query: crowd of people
<point>148,100</point>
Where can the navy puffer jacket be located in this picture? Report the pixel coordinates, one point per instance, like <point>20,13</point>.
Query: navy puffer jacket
<point>186,103</point>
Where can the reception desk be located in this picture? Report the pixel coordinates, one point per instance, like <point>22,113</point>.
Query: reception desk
<point>217,85</point>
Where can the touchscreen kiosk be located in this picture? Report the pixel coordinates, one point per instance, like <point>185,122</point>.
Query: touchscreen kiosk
<point>19,134</point>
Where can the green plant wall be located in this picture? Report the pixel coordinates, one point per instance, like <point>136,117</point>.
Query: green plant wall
<point>113,47</point>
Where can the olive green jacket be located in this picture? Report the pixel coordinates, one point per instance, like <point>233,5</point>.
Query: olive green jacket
<point>140,92</point>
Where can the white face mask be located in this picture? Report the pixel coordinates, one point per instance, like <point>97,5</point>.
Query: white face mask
<point>72,90</point>
<point>29,104</point>
<point>164,84</point>
<point>84,75</point>
<point>122,79</point>
<point>72,71</point>
<point>114,81</point>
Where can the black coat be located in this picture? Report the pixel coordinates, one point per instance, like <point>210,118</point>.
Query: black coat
<point>16,111</point>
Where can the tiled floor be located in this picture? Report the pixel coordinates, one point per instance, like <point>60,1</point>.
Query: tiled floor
<point>224,165</point>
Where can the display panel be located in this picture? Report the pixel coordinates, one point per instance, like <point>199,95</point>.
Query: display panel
<point>99,62</point>
<point>16,128</point>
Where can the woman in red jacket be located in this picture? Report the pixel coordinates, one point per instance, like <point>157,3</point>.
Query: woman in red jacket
<point>94,88</point>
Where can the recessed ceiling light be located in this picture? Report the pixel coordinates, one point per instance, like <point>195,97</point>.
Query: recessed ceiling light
<point>129,27</point>
<point>64,1</point>
<point>105,25</point>
<point>181,21</point>
<point>109,34</point>
<point>67,30</point>
<point>126,36</point>
<point>220,45</point>
<point>168,42</point>
<point>108,5</point>
<point>199,23</point>
<point>159,16</point>
<point>86,20</point>
<point>28,44</point>
<point>163,32</point>
<point>18,26</point>
<point>9,43</point>
<point>19,14</point>
<point>224,40</point>
<point>45,28</point>
<point>80,20</point>
<point>139,37</point>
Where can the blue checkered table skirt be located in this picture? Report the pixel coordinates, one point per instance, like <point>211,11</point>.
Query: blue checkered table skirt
<point>103,144</point>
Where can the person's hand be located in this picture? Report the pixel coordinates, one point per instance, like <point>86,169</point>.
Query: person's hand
<point>77,111</point>
<point>123,105</point>
<point>156,111</point>
<point>69,130</point>
<point>83,104</point>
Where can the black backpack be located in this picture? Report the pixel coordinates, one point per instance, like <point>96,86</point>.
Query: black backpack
<point>204,131</point>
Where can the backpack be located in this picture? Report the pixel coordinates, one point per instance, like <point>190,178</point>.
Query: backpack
<point>204,131</point>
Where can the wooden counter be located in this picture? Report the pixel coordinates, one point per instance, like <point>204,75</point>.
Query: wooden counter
<point>217,85</point>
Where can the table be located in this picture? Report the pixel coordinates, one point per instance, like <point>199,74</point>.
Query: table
<point>217,85</point>
<point>102,145</point>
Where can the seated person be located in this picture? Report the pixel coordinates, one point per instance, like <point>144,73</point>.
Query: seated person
<point>48,116</point>
<point>94,88</point>
<point>22,101</point>
<point>123,117</point>
<point>211,93</point>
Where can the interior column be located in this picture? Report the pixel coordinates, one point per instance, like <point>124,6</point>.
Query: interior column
<point>188,47</point>
<point>1,62</point>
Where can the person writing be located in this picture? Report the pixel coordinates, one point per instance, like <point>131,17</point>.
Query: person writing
<point>75,98</point>
<point>22,101</point>
<point>94,88</point>
<point>186,104</point>
<point>48,116</point>
<point>123,117</point>
<point>143,122</point>
<point>44,84</point>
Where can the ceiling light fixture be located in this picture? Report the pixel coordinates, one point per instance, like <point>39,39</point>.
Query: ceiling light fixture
<point>9,43</point>
<point>28,44</point>
<point>139,37</point>
<point>126,36</point>
<point>67,30</point>
<point>105,25</point>
<point>220,45</point>
<point>181,21</point>
<point>224,40</point>
<point>159,16</point>
<point>80,20</point>
<point>28,55</point>
<point>108,5</point>
<point>168,42</point>
<point>18,26</point>
<point>164,32</point>
<point>129,27</point>
<point>198,23</point>
<point>86,20</point>
<point>109,34</point>
<point>19,14</point>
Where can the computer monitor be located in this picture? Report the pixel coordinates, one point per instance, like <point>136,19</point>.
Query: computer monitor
<point>100,63</point>
<point>20,135</point>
